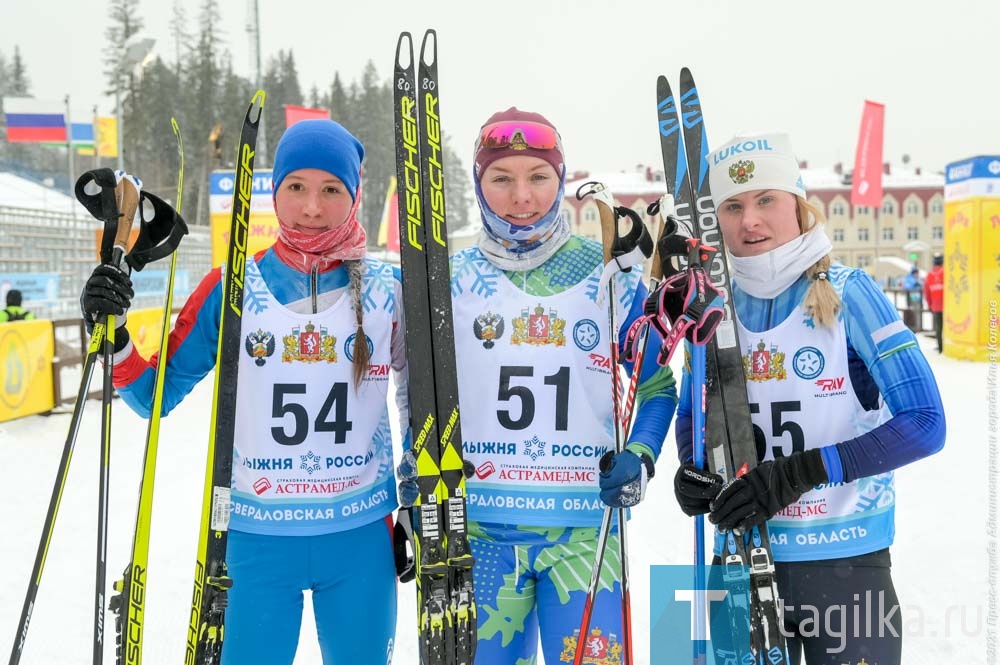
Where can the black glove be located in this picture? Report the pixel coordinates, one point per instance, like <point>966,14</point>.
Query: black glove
<point>107,291</point>
<point>766,490</point>
<point>402,546</point>
<point>695,488</point>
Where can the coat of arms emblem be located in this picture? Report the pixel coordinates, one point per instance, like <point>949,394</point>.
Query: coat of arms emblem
<point>764,363</point>
<point>742,171</point>
<point>539,328</point>
<point>260,346</point>
<point>309,345</point>
<point>488,328</point>
<point>598,649</point>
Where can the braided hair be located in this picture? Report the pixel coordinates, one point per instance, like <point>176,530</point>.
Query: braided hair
<point>362,357</point>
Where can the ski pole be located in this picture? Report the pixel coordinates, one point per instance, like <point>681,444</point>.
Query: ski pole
<point>609,232</point>
<point>127,195</point>
<point>99,191</point>
<point>129,604</point>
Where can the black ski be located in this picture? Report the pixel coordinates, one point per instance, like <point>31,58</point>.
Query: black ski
<point>446,610</point>
<point>729,436</point>
<point>206,625</point>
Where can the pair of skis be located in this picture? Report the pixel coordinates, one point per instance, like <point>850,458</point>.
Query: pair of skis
<point>116,199</point>
<point>727,438</point>
<point>209,598</point>
<point>446,605</point>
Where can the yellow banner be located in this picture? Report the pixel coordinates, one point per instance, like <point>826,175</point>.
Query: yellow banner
<point>262,232</point>
<point>960,284</point>
<point>144,328</point>
<point>989,276</point>
<point>106,135</point>
<point>26,367</point>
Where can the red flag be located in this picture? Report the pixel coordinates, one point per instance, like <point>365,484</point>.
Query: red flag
<point>295,113</point>
<point>866,187</point>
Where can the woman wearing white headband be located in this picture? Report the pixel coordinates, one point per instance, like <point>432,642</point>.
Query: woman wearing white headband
<point>842,394</point>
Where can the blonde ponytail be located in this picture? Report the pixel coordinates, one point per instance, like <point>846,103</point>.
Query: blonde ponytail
<point>821,302</point>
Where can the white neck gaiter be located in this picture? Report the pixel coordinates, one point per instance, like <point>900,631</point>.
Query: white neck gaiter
<point>769,274</point>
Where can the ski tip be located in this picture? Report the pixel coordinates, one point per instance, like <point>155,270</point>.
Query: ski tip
<point>256,106</point>
<point>430,39</point>
<point>663,91</point>
<point>408,38</point>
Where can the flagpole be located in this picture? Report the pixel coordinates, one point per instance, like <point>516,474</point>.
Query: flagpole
<point>261,155</point>
<point>97,145</point>
<point>69,157</point>
<point>118,128</point>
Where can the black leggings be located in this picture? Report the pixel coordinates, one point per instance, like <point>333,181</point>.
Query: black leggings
<point>834,612</point>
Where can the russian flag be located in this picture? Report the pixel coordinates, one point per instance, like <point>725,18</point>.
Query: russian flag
<point>34,121</point>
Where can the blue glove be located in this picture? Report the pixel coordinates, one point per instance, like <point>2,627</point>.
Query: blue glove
<point>407,474</point>
<point>623,478</point>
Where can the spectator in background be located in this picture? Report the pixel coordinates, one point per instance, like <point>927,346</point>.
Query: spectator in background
<point>934,295</point>
<point>14,311</point>
<point>913,285</point>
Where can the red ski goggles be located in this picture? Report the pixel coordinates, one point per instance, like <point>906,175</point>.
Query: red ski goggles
<point>518,135</point>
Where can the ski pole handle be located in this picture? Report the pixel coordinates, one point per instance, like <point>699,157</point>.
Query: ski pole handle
<point>655,269</point>
<point>127,196</point>
<point>606,209</point>
<point>609,224</point>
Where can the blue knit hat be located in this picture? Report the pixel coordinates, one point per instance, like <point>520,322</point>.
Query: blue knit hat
<point>319,144</point>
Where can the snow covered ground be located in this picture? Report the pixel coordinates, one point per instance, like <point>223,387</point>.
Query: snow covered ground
<point>940,555</point>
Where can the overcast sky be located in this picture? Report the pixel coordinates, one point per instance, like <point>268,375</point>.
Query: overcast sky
<point>804,67</point>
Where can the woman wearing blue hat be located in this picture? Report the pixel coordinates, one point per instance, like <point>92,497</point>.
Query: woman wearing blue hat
<point>841,396</point>
<point>312,494</point>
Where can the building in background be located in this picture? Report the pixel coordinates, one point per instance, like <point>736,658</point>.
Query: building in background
<point>908,229</point>
<point>910,223</point>
<point>634,190</point>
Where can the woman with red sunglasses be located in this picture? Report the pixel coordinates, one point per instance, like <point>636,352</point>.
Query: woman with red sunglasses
<point>534,386</point>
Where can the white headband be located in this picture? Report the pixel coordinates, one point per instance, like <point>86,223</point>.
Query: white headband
<point>750,163</point>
